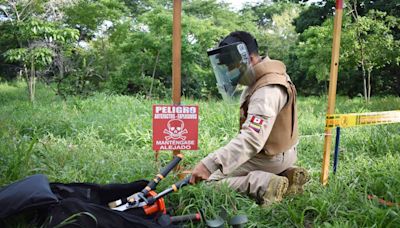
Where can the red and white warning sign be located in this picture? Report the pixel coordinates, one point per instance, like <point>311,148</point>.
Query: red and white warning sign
<point>175,127</point>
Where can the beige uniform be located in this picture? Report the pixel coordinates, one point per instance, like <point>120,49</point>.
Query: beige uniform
<point>243,163</point>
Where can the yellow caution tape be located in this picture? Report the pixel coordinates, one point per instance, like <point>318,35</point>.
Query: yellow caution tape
<point>362,119</point>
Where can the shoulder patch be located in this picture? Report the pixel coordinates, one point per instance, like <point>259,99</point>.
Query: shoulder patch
<point>256,123</point>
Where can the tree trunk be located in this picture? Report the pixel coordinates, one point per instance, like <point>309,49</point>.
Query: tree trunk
<point>32,82</point>
<point>360,42</point>
<point>61,66</point>
<point>19,76</point>
<point>30,87</point>
<point>142,71</point>
<point>106,64</point>
<point>61,74</point>
<point>26,73</point>
<point>363,69</point>
<point>34,87</point>
<point>154,72</point>
<point>365,86</point>
<point>369,85</point>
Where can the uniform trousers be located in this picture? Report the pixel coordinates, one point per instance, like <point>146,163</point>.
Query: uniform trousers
<point>253,176</point>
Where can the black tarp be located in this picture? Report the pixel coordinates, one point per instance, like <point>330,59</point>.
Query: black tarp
<point>73,205</point>
<point>30,193</point>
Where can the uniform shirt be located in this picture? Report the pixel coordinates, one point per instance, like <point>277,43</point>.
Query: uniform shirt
<point>264,106</point>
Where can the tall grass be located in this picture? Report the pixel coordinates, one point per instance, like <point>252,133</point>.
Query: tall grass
<point>107,139</point>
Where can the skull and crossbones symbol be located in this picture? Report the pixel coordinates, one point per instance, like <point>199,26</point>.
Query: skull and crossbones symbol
<point>175,130</point>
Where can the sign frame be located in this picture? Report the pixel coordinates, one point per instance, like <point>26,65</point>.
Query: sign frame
<point>175,127</point>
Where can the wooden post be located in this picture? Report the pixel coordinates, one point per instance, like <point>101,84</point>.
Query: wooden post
<point>176,56</point>
<point>332,88</point>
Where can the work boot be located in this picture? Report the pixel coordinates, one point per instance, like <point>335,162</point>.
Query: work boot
<point>276,188</point>
<point>297,178</point>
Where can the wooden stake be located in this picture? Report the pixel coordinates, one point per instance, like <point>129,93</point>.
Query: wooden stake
<point>176,56</point>
<point>332,87</point>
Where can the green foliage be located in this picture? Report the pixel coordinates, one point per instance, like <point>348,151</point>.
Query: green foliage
<point>374,32</point>
<point>368,42</point>
<point>33,41</point>
<point>40,57</point>
<point>35,34</point>
<point>36,29</point>
<point>18,54</point>
<point>314,49</point>
<point>87,15</point>
<point>83,80</point>
<point>314,15</point>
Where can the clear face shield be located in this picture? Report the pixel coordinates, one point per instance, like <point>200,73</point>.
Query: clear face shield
<point>231,65</point>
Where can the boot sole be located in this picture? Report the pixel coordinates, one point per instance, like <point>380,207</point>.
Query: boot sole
<point>279,189</point>
<point>299,178</point>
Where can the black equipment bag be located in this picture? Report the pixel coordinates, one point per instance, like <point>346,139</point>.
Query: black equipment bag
<point>72,205</point>
<point>31,193</point>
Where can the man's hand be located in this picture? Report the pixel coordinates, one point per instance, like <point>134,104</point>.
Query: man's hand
<point>200,172</point>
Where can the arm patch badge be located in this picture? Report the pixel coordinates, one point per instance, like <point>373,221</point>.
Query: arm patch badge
<point>256,123</point>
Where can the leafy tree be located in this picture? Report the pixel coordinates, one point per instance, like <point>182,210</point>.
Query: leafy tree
<point>81,76</point>
<point>87,16</point>
<point>88,65</point>
<point>374,43</point>
<point>313,53</point>
<point>314,15</point>
<point>35,38</point>
<point>317,12</point>
<point>367,45</point>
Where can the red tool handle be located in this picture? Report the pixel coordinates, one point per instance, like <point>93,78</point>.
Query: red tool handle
<point>186,218</point>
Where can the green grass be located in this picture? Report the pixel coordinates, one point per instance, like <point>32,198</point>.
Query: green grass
<point>107,139</point>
